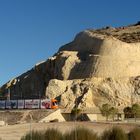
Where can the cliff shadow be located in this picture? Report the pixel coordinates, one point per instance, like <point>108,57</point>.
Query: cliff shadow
<point>85,68</point>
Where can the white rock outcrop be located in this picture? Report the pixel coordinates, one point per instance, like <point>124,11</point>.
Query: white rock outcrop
<point>56,115</point>
<point>97,69</point>
<point>98,66</point>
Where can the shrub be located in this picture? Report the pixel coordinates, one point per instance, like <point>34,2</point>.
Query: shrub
<point>49,134</point>
<point>52,134</point>
<point>136,110</point>
<point>114,134</point>
<point>128,112</point>
<point>75,113</point>
<point>113,112</point>
<point>134,134</point>
<point>105,110</point>
<point>81,134</point>
<point>105,135</point>
<point>33,136</point>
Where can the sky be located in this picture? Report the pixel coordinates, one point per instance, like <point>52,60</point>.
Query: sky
<point>33,30</point>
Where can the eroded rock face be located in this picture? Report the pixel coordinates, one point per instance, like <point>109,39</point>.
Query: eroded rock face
<point>103,54</point>
<point>93,92</point>
<point>29,85</point>
<point>99,66</point>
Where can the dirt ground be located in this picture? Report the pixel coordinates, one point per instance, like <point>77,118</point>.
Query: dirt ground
<point>15,132</point>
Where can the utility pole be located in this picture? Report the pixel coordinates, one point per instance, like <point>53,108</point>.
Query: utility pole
<point>30,127</point>
<point>76,105</point>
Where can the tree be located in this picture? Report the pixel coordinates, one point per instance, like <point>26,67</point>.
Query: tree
<point>135,110</point>
<point>105,110</point>
<point>128,112</point>
<point>113,112</point>
<point>76,112</point>
<point>132,112</point>
<point>108,110</point>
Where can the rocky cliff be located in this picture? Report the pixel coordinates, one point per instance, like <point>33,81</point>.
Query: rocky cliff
<point>98,66</point>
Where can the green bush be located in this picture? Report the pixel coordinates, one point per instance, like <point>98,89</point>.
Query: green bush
<point>108,110</point>
<point>134,134</point>
<point>114,134</point>
<point>75,112</point>
<point>81,134</point>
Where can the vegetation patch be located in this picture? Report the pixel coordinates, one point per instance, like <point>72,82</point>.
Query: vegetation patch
<point>80,133</point>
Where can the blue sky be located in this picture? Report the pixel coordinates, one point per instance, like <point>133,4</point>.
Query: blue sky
<point>33,30</point>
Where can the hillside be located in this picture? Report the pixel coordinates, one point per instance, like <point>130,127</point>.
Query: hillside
<point>98,66</point>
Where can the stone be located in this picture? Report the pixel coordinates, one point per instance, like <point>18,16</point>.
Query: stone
<point>56,115</point>
<point>2,123</point>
